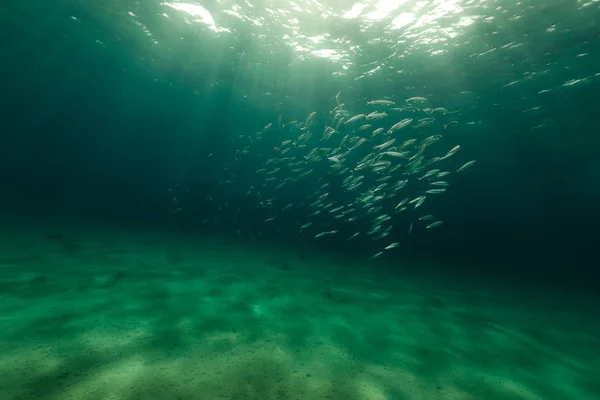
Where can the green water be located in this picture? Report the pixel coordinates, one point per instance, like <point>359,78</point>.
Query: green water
<point>176,223</point>
<point>110,314</point>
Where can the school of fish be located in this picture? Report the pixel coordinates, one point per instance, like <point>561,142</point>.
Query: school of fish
<point>353,174</point>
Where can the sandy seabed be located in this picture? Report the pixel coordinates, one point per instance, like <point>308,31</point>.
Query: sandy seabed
<point>108,314</point>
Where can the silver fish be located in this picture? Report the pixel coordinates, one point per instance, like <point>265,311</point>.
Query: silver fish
<point>397,154</point>
<point>451,152</point>
<point>353,236</point>
<point>381,102</point>
<point>326,233</point>
<point>377,131</point>
<point>466,165</point>
<point>440,183</point>
<point>399,125</point>
<point>376,115</point>
<point>384,145</point>
<point>355,118</point>
<point>402,202</point>
<point>421,201</point>
<point>430,173</point>
<point>309,119</point>
<point>435,191</point>
<point>416,99</point>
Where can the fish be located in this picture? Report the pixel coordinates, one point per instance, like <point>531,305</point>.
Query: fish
<point>309,119</point>
<point>424,122</point>
<point>382,235</point>
<point>407,143</point>
<point>377,131</point>
<point>396,154</point>
<point>360,141</point>
<point>382,163</point>
<point>416,200</point>
<point>399,125</point>
<point>430,173</point>
<point>373,210</point>
<point>318,158</point>
<point>429,140</point>
<point>440,183</point>
<point>376,115</point>
<point>466,165</point>
<point>374,230</point>
<point>400,184</point>
<point>421,201</point>
<point>326,233</point>
<point>435,191</point>
<point>355,118</point>
<point>354,186</point>
<point>402,202</point>
<point>384,145</point>
<point>451,152</point>
<point>381,102</point>
<point>416,99</point>
<point>382,218</point>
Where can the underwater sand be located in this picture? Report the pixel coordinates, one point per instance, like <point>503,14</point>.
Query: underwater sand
<point>95,313</point>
